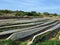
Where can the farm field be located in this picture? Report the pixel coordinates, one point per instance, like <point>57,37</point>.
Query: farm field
<point>29,22</point>
<point>35,31</point>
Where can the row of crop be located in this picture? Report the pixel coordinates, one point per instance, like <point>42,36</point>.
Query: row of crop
<point>42,40</point>
<point>17,27</point>
<point>8,24</point>
<point>37,41</point>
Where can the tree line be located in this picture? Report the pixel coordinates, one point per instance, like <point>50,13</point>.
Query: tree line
<point>23,13</point>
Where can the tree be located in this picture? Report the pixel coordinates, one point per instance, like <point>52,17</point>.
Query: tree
<point>19,14</point>
<point>55,14</point>
<point>6,11</point>
<point>29,14</point>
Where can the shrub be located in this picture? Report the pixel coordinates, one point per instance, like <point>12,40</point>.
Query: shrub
<point>8,42</point>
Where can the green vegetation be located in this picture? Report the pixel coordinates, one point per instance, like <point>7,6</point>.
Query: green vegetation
<point>36,42</point>
<point>19,13</point>
<point>41,37</point>
<point>48,42</point>
<point>6,11</point>
<point>23,43</point>
<point>22,13</point>
<point>8,42</point>
<point>57,36</point>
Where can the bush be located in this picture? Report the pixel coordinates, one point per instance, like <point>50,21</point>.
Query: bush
<point>8,42</point>
<point>19,14</point>
<point>49,42</point>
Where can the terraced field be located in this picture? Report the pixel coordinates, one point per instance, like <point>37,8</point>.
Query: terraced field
<point>25,29</point>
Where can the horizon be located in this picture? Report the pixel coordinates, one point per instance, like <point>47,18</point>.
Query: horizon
<point>50,6</point>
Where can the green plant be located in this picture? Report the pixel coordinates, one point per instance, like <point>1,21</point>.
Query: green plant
<point>8,42</point>
<point>48,42</point>
<point>23,43</point>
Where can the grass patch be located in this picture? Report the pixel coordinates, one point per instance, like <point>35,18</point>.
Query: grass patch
<point>48,42</point>
<point>8,42</point>
<point>23,43</point>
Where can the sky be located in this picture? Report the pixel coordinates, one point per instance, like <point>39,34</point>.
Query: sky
<point>51,6</point>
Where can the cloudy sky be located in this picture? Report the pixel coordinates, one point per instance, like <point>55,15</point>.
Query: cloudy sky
<point>51,6</point>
